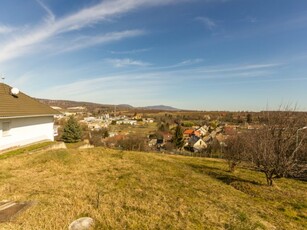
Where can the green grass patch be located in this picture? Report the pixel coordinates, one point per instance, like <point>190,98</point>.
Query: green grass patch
<point>27,149</point>
<point>74,145</point>
<point>60,156</point>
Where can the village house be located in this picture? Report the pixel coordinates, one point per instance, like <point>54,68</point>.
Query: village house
<point>126,122</point>
<point>137,116</point>
<point>152,143</point>
<point>148,120</point>
<point>23,120</point>
<point>189,133</point>
<point>195,144</point>
<point>199,145</point>
<point>203,130</point>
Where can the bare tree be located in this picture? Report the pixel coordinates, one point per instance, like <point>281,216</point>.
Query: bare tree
<point>235,151</point>
<point>275,149</point>
<point>96,136</point>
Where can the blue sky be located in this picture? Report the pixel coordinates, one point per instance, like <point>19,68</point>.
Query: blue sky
<point>190,54</point>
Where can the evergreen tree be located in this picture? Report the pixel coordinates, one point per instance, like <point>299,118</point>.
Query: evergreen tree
<point>72,131</point>
<point>178,137</point>
<point>163,127</point>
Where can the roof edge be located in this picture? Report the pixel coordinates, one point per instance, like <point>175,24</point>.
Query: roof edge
<point>27,116</point>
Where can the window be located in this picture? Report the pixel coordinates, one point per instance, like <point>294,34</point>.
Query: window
<point>5,129</point>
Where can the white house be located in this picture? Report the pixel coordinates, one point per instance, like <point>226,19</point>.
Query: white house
<point>199,145</point>
<point>23,120</point>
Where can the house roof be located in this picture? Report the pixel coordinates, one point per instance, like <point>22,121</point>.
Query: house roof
<point>193,140</point>
<point>197,133</point>
<point>191,132</point>
<point>188,132</point>
<point>21,105</point>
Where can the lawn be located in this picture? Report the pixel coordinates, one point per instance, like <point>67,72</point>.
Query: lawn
<point>131,190</point>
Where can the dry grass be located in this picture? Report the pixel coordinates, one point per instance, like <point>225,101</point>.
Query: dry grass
<point>139,129</point>
<point>130,190</point>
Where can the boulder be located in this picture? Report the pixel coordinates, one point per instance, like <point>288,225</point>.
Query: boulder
<point>83,223</point>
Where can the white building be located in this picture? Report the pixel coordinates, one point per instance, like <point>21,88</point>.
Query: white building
<point>199,145</point>
<point>23,120</point>
<point>126,122</point>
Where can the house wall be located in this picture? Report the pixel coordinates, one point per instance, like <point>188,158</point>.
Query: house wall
<point>25,131</point>
<point>199,145</point>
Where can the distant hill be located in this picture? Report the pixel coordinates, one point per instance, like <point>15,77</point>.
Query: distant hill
<point>125,106</point>
<point>160,107</point>
<point>64,104</point>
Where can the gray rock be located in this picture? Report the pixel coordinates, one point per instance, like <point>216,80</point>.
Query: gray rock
<point>83,223</point>
<point>58,145</point>
<point>87,146</point>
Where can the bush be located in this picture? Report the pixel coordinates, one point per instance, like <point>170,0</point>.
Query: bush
<point>169,146</point>
<point>97,135</point>
<point>187,124</point>
<point>133,142</point>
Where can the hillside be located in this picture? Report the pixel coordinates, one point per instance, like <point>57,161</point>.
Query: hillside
<point>131,190</point>
<point>90,105</point>
<point>66,104</point>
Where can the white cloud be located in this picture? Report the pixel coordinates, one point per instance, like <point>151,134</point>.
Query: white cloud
<point>51,16</point>
<point>87,41</point>
<point>130,51</point>
<point>252,20</point>
<point>126,62</point>
<point>185,63</point>
<point>113,88</point>
<point>25,43</point>
<point>190,62</point>
<point>6,29</point>
<point>209,23</point>
<point>238,68</point>
<point>151,84</point>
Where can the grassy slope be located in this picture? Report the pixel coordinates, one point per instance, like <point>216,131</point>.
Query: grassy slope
<point>146,191</point>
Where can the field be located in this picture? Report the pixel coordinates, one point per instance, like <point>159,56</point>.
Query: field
<point>142,130</point>
<point>131,190</point>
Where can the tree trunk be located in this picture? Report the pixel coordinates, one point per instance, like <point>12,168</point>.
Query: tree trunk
<point>232,166</point>
<point>269,178</point>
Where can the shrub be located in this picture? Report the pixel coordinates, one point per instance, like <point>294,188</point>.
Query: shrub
<point>133,142</point>
<point>97,135</point>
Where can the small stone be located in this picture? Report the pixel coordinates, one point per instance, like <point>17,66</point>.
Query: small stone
<point>83,223</point>
<point>58,145</point>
